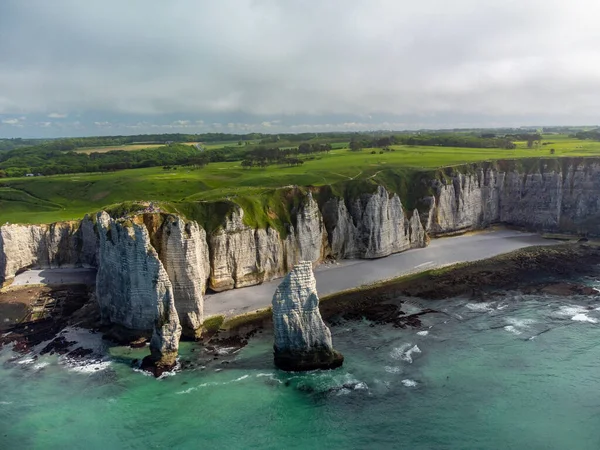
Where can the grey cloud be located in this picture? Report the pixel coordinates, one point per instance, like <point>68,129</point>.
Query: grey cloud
<point>510,61</point>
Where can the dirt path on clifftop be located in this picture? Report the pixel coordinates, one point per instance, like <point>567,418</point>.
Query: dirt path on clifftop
<point>349,274</point>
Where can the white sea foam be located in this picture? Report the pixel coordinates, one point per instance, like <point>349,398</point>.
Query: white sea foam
<point>361,386</point>
<point>41,365</point>
<point>6,403</point>
<point>480,307</point>
<point>512,329</point>
<point>584,318</point>
<point>226,350</point>
<point>187,391</point>
<point>28,360</point>
<point>520,323</point>
<point>409,383</point>
<point>422,333</point>
<point>408,355</point>
<point>343,391</point>
<point>143,372</point>
<point>87,367</point>
<point>270,376</point>
<point>405,352</point>
<point>571,311</point>
<point>214,383</point>
<point>390,369</point>
<point>243,377</point>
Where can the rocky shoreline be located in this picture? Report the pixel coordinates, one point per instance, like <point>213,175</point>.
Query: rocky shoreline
<point>530,270</point>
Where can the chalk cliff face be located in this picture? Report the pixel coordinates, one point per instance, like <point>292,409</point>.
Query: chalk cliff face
<point>62,244</point>
<point>373,226</point>
<point>548,199</point>
<point>233,255</point>
<point>133,288</point>
<point>183,252</point>
<point>243,256</point>
<point>302,340</point>
<point>310,232</point>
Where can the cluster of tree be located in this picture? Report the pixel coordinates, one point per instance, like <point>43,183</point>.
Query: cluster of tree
<point>593,135</point>
<point>455,140</point>
<point>290,161</point>
<point>11,144</point>
<point>263,156</point>
<point>533,139</point>
<point>50,162</point>
<point>443,140</point>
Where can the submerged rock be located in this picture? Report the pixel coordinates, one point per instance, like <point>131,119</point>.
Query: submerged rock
<point>302,340</point>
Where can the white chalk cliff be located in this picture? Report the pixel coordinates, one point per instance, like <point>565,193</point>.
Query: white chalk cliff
<point>552,198</point>
<point>133,288</point>
<point>183,252</point>
<point>61,244</point>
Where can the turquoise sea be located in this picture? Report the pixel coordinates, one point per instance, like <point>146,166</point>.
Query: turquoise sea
<point>517,371</point>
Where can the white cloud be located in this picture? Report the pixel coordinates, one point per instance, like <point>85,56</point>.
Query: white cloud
<point>10,121</point>
<point>256,61</point>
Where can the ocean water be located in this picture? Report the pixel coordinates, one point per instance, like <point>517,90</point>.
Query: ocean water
<point>518,371</point>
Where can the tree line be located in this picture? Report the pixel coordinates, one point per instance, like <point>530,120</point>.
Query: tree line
<point>593,135</point>
<point>442,140</point>
<point>18,163</point>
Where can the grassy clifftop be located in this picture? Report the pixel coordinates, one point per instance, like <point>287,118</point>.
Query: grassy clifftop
<point>267,195</point>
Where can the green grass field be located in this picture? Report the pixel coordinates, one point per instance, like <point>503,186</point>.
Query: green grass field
<point>64,197</point>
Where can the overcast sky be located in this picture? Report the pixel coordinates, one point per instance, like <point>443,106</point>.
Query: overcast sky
<point>72,67</point>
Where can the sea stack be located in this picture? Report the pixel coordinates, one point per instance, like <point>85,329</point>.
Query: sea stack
<point>302,340</point>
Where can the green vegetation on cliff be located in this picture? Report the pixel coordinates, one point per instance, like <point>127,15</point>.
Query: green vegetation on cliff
<point>63,197</point>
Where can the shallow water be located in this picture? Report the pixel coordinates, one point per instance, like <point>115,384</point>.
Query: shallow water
<point>515,372</point>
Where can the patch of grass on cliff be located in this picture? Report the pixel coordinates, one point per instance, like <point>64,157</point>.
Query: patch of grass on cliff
<point>210,215</point>
<point>212,324</point>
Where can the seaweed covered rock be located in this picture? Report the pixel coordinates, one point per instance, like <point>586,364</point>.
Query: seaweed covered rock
<point>302,340</point>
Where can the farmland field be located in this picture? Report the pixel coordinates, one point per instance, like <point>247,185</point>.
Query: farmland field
<point>62,197</point>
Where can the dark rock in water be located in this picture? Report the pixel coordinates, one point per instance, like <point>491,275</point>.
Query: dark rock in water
<point>156,368</point>
<point>59,345</point>
<point>296,361</point>
<point>302,340</point>
<point>561,289</point>
<point>80,352</point>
